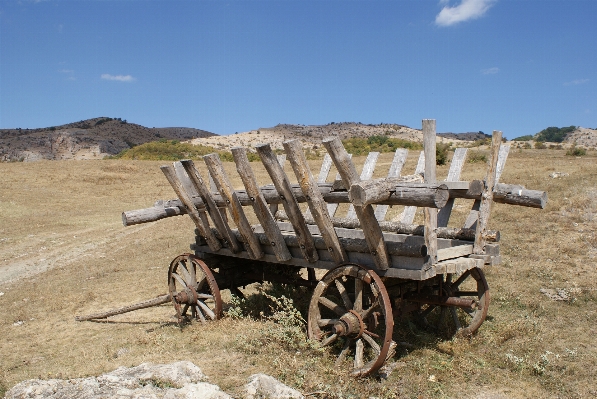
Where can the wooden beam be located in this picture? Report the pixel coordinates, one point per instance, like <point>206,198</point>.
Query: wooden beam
<point>317,204</point>
<point>366,214</point>
<point>456,165</point>
<point>201,222</point>
<point>210,205</point>
<point>430,214</point>
<point>252,245</point>
<point>487,197</point>
<point>260,206</point>
<point>395,169</point>
<point>408,215</point>
<point>366,174</point>
<point>282,184</point>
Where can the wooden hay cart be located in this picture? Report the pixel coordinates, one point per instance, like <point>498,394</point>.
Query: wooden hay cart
<point>376,269</point>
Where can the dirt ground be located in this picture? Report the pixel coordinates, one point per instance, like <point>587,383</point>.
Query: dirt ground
<point>64,252</point>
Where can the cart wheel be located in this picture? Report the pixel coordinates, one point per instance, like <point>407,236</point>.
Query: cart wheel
<point>350,311</point>
<point>451,320</point>
<point>193,286</point>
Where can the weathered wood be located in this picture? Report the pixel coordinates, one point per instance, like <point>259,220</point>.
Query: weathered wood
<point>317,205</point>
<point>366,214</point>
<point>430,214</point>
<point>408,193</point>
<point>454,252</point>
<point>289,202</point>
<point>412,229</point>
<point>408,215</point>
<point>211,207</point>
<point>201,222</point>
<point>456,165</point>
<point>502,157</point>
<point>260,206</point>
<point>333,207</point>
<point>160,300</point>
<point>503,193</point>
<point>214,164</point>
<point>366,174</point>
<point>395,169</point>
<point>326,165</point>
<point>487,197</point>
<point>282,161</point>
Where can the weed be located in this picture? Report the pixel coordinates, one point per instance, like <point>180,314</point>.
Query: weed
<point>576,151</point>
<point>476,156</point>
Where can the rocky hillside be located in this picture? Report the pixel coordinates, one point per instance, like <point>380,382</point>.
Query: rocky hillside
<point>582,136</point>
<point>312,135</point>
<point>88,139</point>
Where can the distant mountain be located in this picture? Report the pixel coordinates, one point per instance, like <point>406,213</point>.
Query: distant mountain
<point>470,136</point>
<point>88,139</point>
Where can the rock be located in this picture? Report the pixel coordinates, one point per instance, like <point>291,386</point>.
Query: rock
<point>556,175</point>
<point>261,386</point>
<point>161,381</point>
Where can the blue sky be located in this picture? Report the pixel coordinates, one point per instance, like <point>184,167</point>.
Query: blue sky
<point>230,66</point>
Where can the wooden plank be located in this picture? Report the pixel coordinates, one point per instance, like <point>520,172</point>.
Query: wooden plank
<point>184,179</point>
<point>332,207</point>
<point>366,214</point>
<point>487,198</point>
<point>282,161</point>
<point>430,214</point>
<point>200,222</point>
<point>471,220</point>
<point>366,174</point>
<point>456,165</point>
<point>454,252</point>
<point>326,165</point>
<point>408,215</point>
<point>404,192</point>
<point>317,205</point>
<point>219,222</point>
<point>260,206</point>
<point>395,169</point>
<point>252,245</point>
<point>284,188</point>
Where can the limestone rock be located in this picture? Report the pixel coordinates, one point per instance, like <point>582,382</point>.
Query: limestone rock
<point>263,386</point>
<point>148,381</point>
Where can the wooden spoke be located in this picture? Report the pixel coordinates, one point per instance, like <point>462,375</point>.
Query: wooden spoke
<point>365,333</point>
<point>358,355</point>
<point>205,296</point>
<point>199,314</point>
<point>329,340</point>
<point>343,294</point>
<point>326,322</point>
<point>464,276</point>
<point>180,280</point>
<point>207,310</point>
<point>185,273</point>
<point>339,310</point>
<point>184,310</point>
<point>193,270</point>
<point>358,295</point>
<point>343,352</point>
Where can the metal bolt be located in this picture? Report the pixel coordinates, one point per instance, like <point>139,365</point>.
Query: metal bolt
<point>227,201</point>
<point>273,244</point>
<point>302,246</point>
<point>308,198</point>
<point>282,197</point>
<point>331,249</point>
<point>252,198</point>
<point>374,253</point>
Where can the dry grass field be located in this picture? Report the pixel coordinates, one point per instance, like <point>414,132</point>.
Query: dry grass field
<point>64,252</point>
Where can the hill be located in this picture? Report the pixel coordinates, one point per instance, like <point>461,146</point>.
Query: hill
<point>312,135</point>
<point>86,139</point>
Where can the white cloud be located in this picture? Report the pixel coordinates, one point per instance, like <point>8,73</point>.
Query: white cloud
<point>576,82</point>
<point>119,78</point>
<point>467,9</point>
<point>490,71</point>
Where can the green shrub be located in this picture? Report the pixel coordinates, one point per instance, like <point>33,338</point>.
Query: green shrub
<point>441,153</point>
<point>576,151</point>
<point>539,145</point>
<point>524,138</point>
<point>554,134</point>
<point>382,143</point>
<point>476,156</point>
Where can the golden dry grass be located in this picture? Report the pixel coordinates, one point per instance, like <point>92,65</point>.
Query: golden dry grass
<point>65,216</point>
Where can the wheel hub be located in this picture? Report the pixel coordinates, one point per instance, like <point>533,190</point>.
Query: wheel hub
<point>351,323</point>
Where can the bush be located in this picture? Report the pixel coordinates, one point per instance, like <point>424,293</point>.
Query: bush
<point>576,151</point>
<point>524,138</point>
<point>539,145</point>
<point>554,134</point>
<point>476,156</point>
<point>441,153</point>
<point>361,146</point>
